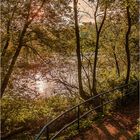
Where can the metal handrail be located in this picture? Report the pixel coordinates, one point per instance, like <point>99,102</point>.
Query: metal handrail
<point>82,116</point>
<point>46,127</point>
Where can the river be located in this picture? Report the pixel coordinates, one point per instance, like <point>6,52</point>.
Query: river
<point>42,80</point>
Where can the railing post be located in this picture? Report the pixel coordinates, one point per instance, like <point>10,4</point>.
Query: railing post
<point>78,117</point>
<point>47,133</point>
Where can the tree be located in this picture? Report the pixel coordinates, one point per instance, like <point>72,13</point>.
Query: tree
<point>78,52</point>
<point>129,24</point>
<point>93,90</point>
<point>27,22</point>
<point>28,14</point>
<point>98,32</point>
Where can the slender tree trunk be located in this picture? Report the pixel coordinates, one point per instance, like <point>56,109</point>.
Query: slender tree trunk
<point>98,31</point>
<point>127,45</point>
<point>7,40</point>
<point>94,91</point>
<point>11,67</point>
<point>116,61</point>
<point>8,32</point>
<point>98,100</point>
<point>78,52</point>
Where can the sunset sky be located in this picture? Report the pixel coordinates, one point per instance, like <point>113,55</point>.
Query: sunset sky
<point>86,12</point>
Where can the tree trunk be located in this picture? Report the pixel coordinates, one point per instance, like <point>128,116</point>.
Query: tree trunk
<point>78,52</point>
<point>7,40</point>
<point>98,100</point>
<point>8,32</point>
<point>11,67</point>
<point>95,65</point>
<point>116,61</point>
<point>127,45</point>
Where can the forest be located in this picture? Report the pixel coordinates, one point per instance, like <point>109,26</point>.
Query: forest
<point>57,54</point>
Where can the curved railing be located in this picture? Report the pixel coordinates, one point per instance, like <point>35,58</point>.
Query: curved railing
<point>125,89</point>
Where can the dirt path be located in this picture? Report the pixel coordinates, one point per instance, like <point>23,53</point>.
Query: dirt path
<point>120,125</point>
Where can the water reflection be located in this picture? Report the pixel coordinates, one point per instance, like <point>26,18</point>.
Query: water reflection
<point>40,83</point>
<point>47,81</point>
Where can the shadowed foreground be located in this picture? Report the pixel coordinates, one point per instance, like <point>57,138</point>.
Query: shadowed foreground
<point>119,125</point>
